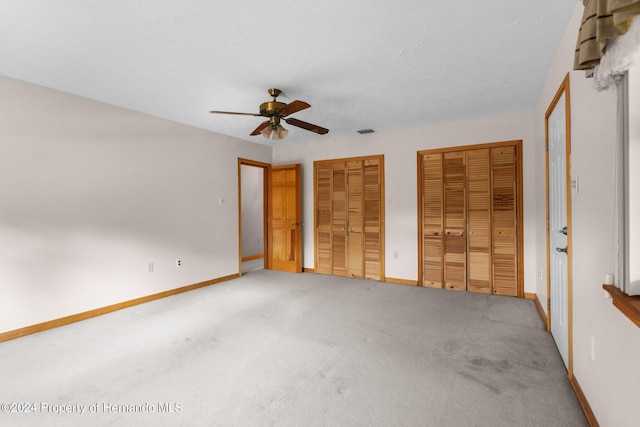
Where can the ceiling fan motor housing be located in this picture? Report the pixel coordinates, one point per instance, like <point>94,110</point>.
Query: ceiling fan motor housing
<point>270,108</point>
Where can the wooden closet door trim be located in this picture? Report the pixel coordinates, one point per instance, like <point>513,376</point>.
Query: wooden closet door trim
<point>498,144</point>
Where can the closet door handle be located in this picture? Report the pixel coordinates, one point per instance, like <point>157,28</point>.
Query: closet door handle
<point>562,250</point>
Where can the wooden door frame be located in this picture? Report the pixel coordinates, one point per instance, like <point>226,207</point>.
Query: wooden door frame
<point>517,144</point>
<point>265,205</point>
<point>562,90</point>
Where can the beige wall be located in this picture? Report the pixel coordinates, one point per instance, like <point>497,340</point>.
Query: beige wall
<point>610,379</point>
<point>90,194</point>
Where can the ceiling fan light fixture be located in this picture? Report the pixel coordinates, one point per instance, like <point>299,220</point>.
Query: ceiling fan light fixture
<point>279,133</point>
<point>266,132</point>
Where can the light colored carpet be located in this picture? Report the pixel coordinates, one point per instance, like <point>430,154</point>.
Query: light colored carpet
<point>296,350</point>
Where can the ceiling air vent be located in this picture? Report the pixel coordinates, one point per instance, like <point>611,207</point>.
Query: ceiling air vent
<point>365,131</point>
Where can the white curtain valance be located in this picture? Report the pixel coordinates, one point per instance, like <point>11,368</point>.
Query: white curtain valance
<point>618,58</point>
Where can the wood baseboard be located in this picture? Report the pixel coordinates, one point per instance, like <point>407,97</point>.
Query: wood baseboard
<point>582,399</point>
<point>543,315</point>
<point>401,281</point>
<point>250,257</point>
<point>39,327</point>
<point>309,270</point>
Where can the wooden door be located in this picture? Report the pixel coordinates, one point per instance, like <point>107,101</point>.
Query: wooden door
<point>505,224</point>
<point>323,183</point>
<point>285,218</point>
<point>470,209</point>
<point>349,221</point>
<point>479,214</point>
<point>355,219</point>
<point>331,218</point>
<point>558,222</point>
<point>373,202</point>
<point>455,240</point>
<point>339,218</point>
<point>432,220</point>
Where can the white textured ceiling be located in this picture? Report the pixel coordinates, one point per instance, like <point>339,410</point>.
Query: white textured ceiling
<point>360,64</point>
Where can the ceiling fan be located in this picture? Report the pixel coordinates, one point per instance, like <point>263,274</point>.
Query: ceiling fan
<point>277,111</point>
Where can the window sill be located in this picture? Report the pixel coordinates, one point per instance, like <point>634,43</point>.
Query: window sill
<point>629,306</point>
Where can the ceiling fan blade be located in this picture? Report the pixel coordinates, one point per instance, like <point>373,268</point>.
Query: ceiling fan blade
<point>238,114</point>
<point>293,107</point>
<point>259,128</point>
<point>307,126</point>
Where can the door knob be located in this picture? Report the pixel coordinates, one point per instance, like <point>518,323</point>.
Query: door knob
<point>562,250</point>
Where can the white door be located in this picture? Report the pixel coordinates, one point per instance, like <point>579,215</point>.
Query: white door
<point>558,222</point>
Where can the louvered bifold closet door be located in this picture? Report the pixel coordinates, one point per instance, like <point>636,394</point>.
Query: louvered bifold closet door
<point>505,238</point>
<point>479,220</point>
<point>372,219</point>
<point>324,264</point>
<point>355,219</point>
<point>349,203</point>
<point>339,218</point>
<point>432,225</point>
<point>455,240</point>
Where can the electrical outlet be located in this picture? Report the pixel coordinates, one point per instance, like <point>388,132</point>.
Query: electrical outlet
<point>178,262</point>
<point>150,267</point>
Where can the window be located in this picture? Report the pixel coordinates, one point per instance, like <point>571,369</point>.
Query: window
<point>629,95</point>
<point>628,155</point>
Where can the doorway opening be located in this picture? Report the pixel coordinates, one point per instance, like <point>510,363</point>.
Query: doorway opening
<point>252,207</point>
